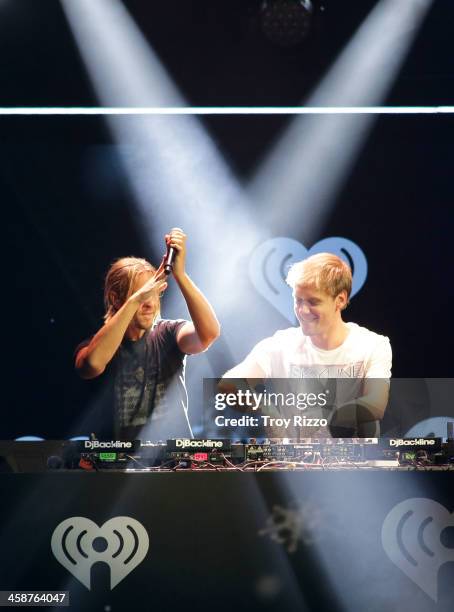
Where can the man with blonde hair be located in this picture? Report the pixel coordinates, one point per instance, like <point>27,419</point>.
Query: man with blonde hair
<point>140,356</point>
<point>324,346</point>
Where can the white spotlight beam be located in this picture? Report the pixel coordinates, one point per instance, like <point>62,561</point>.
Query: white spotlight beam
<point>175,170</point>
<point>121,67</point>
<point>305,172</point>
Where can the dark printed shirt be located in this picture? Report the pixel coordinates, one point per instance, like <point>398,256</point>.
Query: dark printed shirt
<point>143,394</point>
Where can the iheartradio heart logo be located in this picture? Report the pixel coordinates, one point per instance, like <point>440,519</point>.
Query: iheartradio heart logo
<point>412,536</point>
<point>271,260</point>
<point>78,543</point>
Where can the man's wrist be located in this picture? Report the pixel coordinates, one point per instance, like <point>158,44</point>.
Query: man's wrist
<point>181,278</point>
<point>132,302</point>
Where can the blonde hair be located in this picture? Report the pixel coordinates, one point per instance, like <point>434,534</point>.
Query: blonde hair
<point>119,282</point>
<point>324,271</point>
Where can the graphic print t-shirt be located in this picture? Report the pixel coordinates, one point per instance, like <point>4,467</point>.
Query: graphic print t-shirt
<point>143,392</point>
<point>289,354</point>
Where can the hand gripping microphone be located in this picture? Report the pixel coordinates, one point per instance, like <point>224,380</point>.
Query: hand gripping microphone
<point>169,259</point>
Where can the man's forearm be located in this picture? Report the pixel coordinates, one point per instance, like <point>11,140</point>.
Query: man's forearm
<point>360,410</point>
<point>202,314</point>
<point>364,409</point>
<point>105,343</point>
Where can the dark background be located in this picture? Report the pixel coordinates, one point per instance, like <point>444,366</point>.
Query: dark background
<point>219,554</point>
<point>216,53</point>
<point>68,206</point>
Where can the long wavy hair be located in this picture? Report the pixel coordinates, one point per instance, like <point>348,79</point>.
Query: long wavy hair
<point>119,283</point>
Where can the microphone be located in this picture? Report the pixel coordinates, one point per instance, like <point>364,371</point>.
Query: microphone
<point>168,261</point>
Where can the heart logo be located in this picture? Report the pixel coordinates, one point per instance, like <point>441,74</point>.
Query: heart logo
<point>78,543</point>
<point>271,260</point>
<point>411,536</point>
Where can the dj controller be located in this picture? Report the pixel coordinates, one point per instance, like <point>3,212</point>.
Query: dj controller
<point>226,455</point>
<point>267,454</point>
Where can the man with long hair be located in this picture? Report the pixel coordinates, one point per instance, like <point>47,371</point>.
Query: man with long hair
<point>140,356</point>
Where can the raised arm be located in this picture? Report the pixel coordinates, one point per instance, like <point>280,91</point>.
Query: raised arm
<point>198,334</point>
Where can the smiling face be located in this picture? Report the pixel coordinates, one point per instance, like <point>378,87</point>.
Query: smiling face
<point>318,313</point>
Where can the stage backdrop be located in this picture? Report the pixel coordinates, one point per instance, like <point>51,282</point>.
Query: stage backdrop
<point>70,210</point>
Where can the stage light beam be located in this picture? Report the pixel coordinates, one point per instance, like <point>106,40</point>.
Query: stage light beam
<point>308,167</point>
<point>176,174</point>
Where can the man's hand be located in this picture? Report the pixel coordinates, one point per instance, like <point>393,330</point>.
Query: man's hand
<point>177,240</point>
<point>154,287</point>
<point>194,336</point>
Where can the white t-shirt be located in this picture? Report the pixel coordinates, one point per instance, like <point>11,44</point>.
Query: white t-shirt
<point>291,354</point>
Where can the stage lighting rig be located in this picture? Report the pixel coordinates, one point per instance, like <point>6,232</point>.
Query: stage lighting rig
<point>286,22</point>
